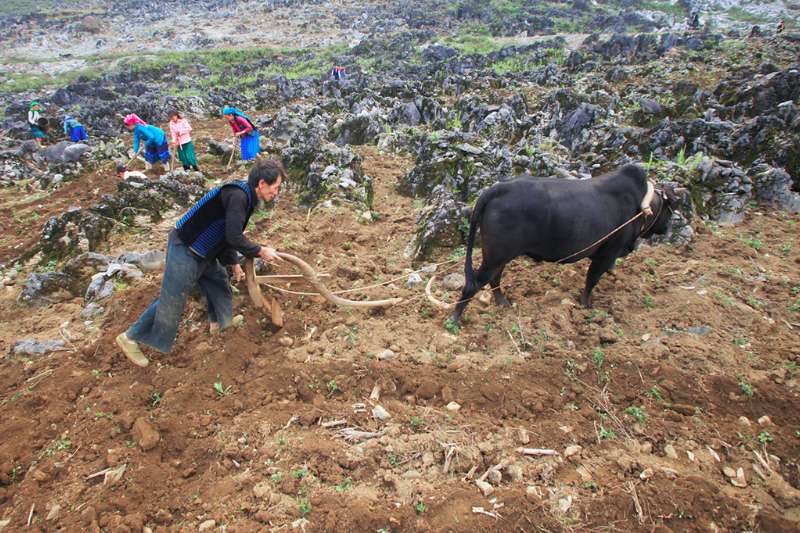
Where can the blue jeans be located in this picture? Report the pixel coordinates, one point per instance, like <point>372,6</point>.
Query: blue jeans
<point>158,325</point>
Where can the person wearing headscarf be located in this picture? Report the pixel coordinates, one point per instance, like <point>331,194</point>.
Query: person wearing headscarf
<point>181,132</point>
<point>35,122</point>
<point>74,129</point>
<point>152,138</point>
<point>245,130</point>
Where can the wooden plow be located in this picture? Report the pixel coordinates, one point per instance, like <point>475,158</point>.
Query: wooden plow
<point>271,306</point>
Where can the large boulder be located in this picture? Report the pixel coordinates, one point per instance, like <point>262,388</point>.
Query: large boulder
<point>357,129</point>
<point>335,173</point>
<point>46,288</point>
<point>443,223</point>
<point>773,186</point>
<point>77,230</point>
<point>723,190</point>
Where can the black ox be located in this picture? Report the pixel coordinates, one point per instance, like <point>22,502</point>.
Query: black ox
<point>562,221</point>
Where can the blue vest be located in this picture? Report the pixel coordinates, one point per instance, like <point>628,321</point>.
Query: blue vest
<point>202,228</point>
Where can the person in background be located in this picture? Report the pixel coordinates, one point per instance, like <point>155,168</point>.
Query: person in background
<point>204,239</point>
<point>694,20</point>
<point>781,27</point>
<point>74,129</point>
<point>181,132</point>
<point>149,137</point>
<point>34,122</point>
<point>245,130</point>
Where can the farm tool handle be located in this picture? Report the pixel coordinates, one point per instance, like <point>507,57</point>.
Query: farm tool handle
<point>233,153</point>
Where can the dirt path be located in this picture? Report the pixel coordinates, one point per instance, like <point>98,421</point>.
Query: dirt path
<point>639,396</point>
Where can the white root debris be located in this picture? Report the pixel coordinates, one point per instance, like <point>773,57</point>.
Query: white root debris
<point>537,451</point>
<point>357,435</point>
<point>481,510</point>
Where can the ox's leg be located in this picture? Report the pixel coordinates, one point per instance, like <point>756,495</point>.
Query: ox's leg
<point>600,265</point>
<point>482,277</point>
<point>494,282</point>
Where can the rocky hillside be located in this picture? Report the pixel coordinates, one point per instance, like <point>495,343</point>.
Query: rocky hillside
<point>669,407</point>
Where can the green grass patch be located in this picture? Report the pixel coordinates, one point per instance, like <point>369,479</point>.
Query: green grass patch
<point>469,44</point>
<point>669,8</point>
<point>742,15</point>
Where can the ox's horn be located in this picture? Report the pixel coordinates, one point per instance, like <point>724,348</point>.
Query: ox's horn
<point>432,299</point>
<point>312,278</point>
<point>648,198</point>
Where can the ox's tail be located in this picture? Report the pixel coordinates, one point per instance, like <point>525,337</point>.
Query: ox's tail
<point>475,221</point>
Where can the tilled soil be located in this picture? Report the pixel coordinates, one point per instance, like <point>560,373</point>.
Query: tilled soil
<point>685,368</point>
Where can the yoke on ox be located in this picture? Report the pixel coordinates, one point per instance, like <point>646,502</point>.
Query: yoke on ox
<point>562,221</point>
<point>271,305</point>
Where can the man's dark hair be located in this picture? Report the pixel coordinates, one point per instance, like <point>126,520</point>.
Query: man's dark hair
<point>121,167</point>
<point>174,113</point>
<point>267,170</point>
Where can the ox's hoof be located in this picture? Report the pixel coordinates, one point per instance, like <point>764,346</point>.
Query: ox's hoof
<point>501,300</point>
<point>455,319</point>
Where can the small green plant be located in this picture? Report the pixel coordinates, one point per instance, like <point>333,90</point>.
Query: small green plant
<point>59,445</point>
<point>752,242</point>
<point>416,422</point>
<point>120,285</point>
<point>764,437</point>
<point>452,327</point>
<point>383,530</point>
<point>637,413</point>
<point>458,253</point>
<point>591,485</point>
<point>333,388</point>
<point>420,507</point>
<point>393,460</point>
<point>607,434</point>
<point>304,506</point>
<point>96,372</point>
<point>654,393</point>
<point>597,313</point>
<point>155,399</point>
<point>746,388</point>
<point>220,389</point>
<point>277,477</point>
<point>424,312</point>
<point>16,474</point>
<point>739,341</point>
<point>345,485</point>
<point>752,301</point>
<point>651,262</point>
<point>681,158</point>
<point>100,414</point>
<point>649,303</point>
<point>598,358</point>
<point>300,473</point>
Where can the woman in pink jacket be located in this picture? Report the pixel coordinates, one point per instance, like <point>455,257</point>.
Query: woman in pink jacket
<point>181,133</point>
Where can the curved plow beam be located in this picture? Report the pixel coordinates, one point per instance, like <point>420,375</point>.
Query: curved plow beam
<point>431,298</point>
<point>313,279</point>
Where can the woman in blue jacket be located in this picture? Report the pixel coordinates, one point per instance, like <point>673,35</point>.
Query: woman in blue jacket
<point>152,138</point>
<point>74,129</point>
